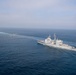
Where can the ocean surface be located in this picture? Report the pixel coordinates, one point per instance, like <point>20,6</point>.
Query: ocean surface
<point>21,55</point>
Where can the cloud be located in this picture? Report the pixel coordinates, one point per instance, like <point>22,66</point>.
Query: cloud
<point>41,4</point>
<point>31,4</point>
<point>38,13</point>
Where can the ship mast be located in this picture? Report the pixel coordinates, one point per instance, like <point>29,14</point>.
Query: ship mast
<point>54,38</point>
<point>49,36</point>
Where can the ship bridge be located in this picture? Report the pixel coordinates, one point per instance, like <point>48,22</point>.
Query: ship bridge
<point>48,40</point>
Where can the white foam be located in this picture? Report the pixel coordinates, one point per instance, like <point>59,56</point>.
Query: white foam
<point>19,36</point>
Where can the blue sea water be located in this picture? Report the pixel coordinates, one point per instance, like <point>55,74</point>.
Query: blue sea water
<point>21,55</point>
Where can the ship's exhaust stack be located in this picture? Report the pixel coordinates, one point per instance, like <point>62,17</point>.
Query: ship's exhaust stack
<point>54,38</point>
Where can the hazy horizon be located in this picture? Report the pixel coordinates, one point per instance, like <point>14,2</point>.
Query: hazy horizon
<point>39,14</point>
<point>37,28</point>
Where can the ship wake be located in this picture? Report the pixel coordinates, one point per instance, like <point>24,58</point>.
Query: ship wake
<point>20,36</point>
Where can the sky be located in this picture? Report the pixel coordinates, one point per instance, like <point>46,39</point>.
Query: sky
<point>53,14</point>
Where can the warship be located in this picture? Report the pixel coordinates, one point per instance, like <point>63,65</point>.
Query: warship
<point>55,43</point>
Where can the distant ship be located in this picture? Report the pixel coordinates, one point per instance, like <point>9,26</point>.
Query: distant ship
<point>55,43</point>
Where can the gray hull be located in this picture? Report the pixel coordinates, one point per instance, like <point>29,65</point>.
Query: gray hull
<point>55,46</point>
